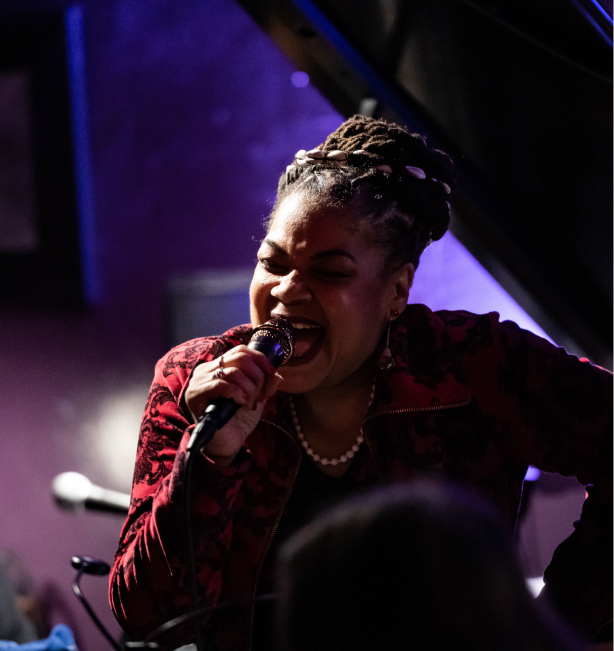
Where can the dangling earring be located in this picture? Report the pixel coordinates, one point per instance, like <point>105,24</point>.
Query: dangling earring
<point>385,361</point>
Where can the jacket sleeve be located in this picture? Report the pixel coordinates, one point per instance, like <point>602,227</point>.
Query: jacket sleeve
<point>148,583</point>
<point>560,415</point>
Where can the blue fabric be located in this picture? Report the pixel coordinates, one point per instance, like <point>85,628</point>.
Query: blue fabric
<point>60,639</point>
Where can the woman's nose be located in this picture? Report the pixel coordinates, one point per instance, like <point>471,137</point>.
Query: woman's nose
<point>291,289</point>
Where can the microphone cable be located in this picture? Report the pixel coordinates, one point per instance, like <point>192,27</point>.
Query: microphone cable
<point>150,643</point>
<point>275,340</point>
<point>95,567</point>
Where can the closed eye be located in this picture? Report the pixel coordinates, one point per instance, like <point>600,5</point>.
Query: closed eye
<point>272,266</point>
<point>330,274</point>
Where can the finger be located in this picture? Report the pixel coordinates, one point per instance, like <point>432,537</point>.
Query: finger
<point>204,387</point>
<point>252,370</point>
<point>217,389</point>
<point>234,375</point>
<point>249,367</point>
<point>232,391</point>
<point>202,373</point>
<point>256,360</point>
<point>263,362</point>
<point>270,387</point>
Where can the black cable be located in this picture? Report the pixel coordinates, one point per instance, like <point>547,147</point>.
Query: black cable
<point>206,430</point>
<point>275,340</point>
<point>167,626</point>
<point>77,590</point>
<point>148,642</point>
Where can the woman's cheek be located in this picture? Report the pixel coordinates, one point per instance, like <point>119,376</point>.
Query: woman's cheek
<point>260,292</point>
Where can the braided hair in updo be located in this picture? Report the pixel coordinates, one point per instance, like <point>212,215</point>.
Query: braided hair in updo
<point>404,213</point>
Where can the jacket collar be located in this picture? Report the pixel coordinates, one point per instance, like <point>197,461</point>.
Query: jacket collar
<point>425,375</point>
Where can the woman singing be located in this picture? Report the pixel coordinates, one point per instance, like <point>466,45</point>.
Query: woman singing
<point>377,391</point>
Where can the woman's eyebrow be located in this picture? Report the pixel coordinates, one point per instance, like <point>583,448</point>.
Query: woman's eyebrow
<point>330,253</point>
<point>274,246</point>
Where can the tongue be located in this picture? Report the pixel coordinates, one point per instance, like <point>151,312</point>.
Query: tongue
<point>305,340</point>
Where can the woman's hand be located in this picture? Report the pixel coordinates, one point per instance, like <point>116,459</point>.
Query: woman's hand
<point>248,378</point>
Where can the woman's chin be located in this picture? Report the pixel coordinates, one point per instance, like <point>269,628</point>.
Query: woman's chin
<point>303,375</point>
<point>298,382</point>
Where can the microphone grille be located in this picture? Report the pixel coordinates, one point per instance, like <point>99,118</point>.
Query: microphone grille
<point>281,331</point>
<point>71,489</point>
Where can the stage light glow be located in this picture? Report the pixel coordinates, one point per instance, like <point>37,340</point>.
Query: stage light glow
<point>532,474</point>
<point>114,434</point>
<point>450,278</point>
<point>535,585</point>
<point>299,79</point>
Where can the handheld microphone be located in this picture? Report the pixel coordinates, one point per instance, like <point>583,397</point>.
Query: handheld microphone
<point>73,491</point>
<point>275,340</point>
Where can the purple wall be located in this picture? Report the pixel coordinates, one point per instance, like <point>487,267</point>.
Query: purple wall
<point>192,118</point>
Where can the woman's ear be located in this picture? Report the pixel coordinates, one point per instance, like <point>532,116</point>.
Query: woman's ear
<point>402,280</point>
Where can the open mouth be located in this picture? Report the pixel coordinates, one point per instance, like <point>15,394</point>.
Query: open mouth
<point>308,336</point>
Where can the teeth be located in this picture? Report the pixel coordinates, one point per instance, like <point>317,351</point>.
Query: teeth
<point>304,326</point>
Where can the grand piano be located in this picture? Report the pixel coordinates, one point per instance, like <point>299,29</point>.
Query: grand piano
<point>520,93</point>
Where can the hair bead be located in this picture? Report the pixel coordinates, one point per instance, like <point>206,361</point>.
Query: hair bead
<point>403,212</point>
<point>336,155</point>
<point>316,153</point>
<point>416,172</point>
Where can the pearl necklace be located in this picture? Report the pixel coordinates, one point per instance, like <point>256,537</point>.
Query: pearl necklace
<point>344,458</point>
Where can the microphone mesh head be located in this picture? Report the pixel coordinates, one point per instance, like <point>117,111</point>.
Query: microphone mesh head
<point>71,489</point>
<point>281,331</point>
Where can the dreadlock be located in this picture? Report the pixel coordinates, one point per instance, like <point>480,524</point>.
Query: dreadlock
<point>404,213</point>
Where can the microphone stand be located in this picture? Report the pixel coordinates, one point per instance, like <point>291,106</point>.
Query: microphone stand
<point>81,568</point>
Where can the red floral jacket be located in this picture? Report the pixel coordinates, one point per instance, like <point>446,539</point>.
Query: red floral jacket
<point>469,398</point>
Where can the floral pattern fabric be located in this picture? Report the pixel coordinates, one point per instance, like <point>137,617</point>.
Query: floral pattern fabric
<point>470,399</point>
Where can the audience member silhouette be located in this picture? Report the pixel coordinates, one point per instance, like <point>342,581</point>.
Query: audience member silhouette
<point>421,567</point>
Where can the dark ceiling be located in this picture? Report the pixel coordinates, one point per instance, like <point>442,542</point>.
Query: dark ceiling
<point>520,93</point>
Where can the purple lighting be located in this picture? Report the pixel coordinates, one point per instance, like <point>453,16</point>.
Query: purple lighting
<point>532,474</point>
<point>299,79</point>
